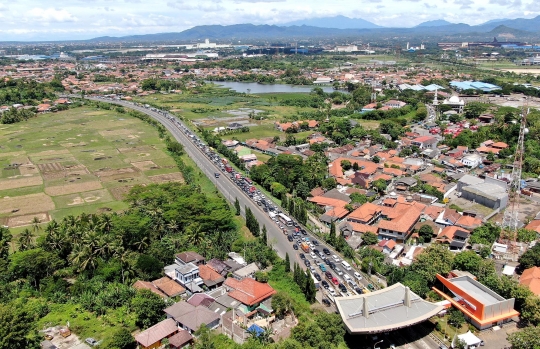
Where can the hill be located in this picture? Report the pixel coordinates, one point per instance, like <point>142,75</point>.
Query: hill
<point>434,23</point>
<point>338,22</point>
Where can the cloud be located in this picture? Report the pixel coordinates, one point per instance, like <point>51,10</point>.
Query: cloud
<point>205,6</point>
<point>507,3</point>
<point>258,1</point>
<point>49,15</point>
<point>465,4</point>
<point>428,6</point>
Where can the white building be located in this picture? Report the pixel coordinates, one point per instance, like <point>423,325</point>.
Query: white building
<point>455,103</point>
<point>472,160</point>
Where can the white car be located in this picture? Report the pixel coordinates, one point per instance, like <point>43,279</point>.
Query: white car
<point>357,275</point>
<point>335,258</point>
<point>347,277</point>
<point>312,268</point>
<point>313,255</point>
<point>338,271</point>
<point>331,291</point>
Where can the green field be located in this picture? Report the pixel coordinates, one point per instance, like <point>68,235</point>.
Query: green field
<point>75,161</point>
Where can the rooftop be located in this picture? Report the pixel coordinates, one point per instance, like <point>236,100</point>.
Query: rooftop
<point>388,309</point>
<point>157,332</point>
<point>476,290</point>
<point>249,291</point>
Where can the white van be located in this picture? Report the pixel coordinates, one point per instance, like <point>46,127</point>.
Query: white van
<point>346,265</point>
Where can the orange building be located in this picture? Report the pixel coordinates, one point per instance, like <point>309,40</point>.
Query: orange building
<point>480,305</point>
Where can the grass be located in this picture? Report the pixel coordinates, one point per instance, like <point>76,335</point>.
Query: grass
<point>86,324</point>
<point>73,148</point>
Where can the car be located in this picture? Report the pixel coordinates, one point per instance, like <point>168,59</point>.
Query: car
<point>317,252</point>
<point>326,302</point>
<point>322,267</point>
<point>352,283</point>
<point>295,246</point>
<point>331,265</point>
<point>358,290</point>
<point>315,242</point>
<point>312,255</point>
<point>328,275</point>
<point>342,287</point>
<point>307,263</point>
<point>357,275</point>
<point>331,291</point>
<point>290,238</point>
<point>304,232</point>
<point>317,276</point>
<point>313,271</point>
<point>325,284</point>
<point>347,277</point>
<point>371,287</point>
<point>217,174</point>
<point>336,259</point>
<point>91,341</point>
<point>335,281</point>
<point>302,256</point>
<point>338,271</point>
<point>326,251</point>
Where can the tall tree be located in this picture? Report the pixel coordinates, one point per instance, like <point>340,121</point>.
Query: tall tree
<point>310,290</point>
<point>237,207</point>
<point>287,263</point>
<point>264,235</point>
<point>26,240</point>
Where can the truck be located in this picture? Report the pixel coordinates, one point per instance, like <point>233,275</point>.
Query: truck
<point>224,161</point>
<point>228,168</point>
<point>305,247</point>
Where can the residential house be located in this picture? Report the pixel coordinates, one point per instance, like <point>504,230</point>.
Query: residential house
<point>188,276</point>
<point>425,142</point>
<point>394,104</point>
<point>210,278</point>
<point>368,213</point>
<point>190,317</point>
<point>146,285</point>
<point>254,296</point>
<point>218,266</point>
<point>400,227</point>
<point>190,257</point>
<point>448,217</point>
<point>152,337</point>
<point>182,339</point>
<point>531,279</point>
<point>472,160</point>
<point>169,287</point>
<point>406,183</point>
<point>246,272</point>
<point>468,222</point>
<point>387,246</point>
<point>456,237</point>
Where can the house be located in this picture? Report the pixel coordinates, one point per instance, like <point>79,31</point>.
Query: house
<point>534,225</point>
<point>251,294</point>
<point>180,340</point>
<point>234,126</point>
<point>152,337</point>
<point>219,266</point>
<point>190,257</point>
<point>425,142</point>
<point>468,222</point>
<point>246,272</point>
<point>169,287</point>
<point>400,227</point>
<point>405,183</point>
<point>146,285</point>
<point>387,246</point>
<point>210,278</point>
<point>394,104</point>
<point>472,160</point>
<point>531,279</point>
<point>188,276</point>
<point>190,317</point>
<point>454,236</point>
<point>368,213</point>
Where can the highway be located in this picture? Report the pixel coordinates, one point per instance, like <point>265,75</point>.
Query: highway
<point>276,237</point>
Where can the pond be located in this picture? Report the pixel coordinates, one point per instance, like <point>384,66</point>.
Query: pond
<point>256,88</point>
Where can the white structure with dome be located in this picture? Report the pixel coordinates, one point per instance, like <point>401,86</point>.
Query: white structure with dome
<point>455,103</point>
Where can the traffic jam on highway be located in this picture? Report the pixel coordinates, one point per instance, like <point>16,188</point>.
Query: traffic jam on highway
<point>318,258</point>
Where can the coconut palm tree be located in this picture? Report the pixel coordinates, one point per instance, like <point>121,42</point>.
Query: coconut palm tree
<point>35,225</point>
<point>195,235</point>
<point>83,258</point>
<point>26,240</point>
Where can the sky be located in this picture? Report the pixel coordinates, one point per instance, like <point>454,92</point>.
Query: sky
<point>26,20</point>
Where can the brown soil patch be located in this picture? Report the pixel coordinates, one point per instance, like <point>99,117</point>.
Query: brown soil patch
<point>26,204</point>
<point>145,165</point>
<point>28,169</point>
<point>11,154</point>
<point>120,193</point>
<point>169,177</point>
<point>50,152</point>
<point>118,132</point>
<point>29,181</point>
<point>71,145</point>
<point>76,201</point>
<point>20,221</point>
<point>51,167</point>
<point>112,175</point>
<point>73,188</point>
<point>142,148</point>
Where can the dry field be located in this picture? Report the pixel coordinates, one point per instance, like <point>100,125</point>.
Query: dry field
<point>80,160</point>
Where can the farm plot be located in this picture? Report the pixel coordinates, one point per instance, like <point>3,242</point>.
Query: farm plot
<point>79,160</point>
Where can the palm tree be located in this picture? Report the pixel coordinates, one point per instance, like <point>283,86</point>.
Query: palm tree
<point>195,235</point>
<point>106,223</point>
<point>83,257</point>
<point>5,239</point>
<point>26,240</point>
<point>35,224</point>
<point>142,243</point>
<point>172,226</point>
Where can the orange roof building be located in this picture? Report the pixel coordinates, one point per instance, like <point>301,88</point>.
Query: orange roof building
<point>531,279</point>
<point>534,225</point>
<point>249,291</point>
<point>480,305</point>
<point>365,214</point>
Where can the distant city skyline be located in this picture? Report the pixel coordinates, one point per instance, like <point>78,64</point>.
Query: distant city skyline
<point>26,20</point>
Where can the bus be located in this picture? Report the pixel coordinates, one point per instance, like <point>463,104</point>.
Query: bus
<point>285,220</point>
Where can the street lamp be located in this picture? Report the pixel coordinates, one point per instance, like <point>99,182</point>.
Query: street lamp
<point>382,340</point>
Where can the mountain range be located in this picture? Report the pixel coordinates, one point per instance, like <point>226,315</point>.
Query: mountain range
<point>339,26</point>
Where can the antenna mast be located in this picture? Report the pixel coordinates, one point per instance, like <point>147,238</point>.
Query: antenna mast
<point>510,223</point>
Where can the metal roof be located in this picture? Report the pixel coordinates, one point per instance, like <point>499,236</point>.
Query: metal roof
<point>388,309</point>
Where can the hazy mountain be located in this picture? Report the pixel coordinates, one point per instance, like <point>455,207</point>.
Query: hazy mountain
<point>338,22</point>
<point>525,24</point>
<point>497,20</point>
<point>434,23</point>
<point>502,29</point>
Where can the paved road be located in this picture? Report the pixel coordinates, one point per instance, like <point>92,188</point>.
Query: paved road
<point>224,184</point>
